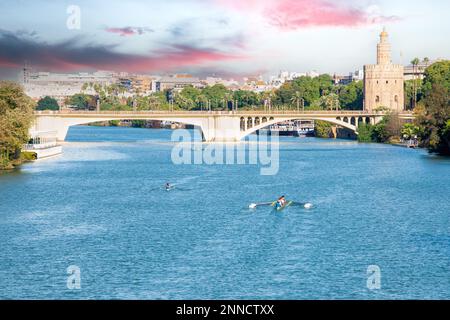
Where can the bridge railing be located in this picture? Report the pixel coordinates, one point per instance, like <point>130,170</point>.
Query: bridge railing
<point>240,112</point>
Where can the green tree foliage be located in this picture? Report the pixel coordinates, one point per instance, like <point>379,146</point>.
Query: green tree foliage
<point>387,130</point>
<point>365,132</point>
<point>297,100</point>
<point>82,101</point>
<point>410,130</point>
<point>437,73</point>
<point>351,96</point>
<point>47,103</point>
<point>138,123</point>
<point>216,95</point>
<point>322,129</point>
<point>379,131</point>
<point>434,119</point>
<point>187,99</point>
<point>247,99</point>
<point>310,89</point>
<point>409,92</point>
<point>16,116</point>
<point>326,102</point>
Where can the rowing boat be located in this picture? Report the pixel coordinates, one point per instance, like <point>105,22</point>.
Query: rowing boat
<point>280,208</point>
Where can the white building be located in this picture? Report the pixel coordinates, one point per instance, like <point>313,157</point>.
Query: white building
<point>284,76</point>
<point>177,83</point>
<point>60,86</point>
<point>210,81</point>
<point>418,72</point>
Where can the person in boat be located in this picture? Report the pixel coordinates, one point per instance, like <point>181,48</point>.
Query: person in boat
<point>281,202</point>
<point>168,186</point>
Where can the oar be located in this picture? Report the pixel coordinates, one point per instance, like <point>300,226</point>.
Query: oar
<point>254,205</point>
<point>306,205</point>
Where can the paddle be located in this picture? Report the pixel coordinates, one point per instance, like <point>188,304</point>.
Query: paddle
<point>254,205</point>
<point>306,205</point>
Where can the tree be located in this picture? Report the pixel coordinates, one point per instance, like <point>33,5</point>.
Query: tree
<point>434,120</point>
<point>351,96</point>
<point>16,116</point>
<point>331,101</point>
<point>437,73</point>
<point>247,99</point>
<point>410,130</point>
<point>415,62</point>
<point>379,131</point>
<point>310,89</point>
<point>79,101</point>
<point>297,99</point>
<point>409,87</point>
<point>189,96</point>
<point>202,101</point>
<point>365,132</point>
<point>322,129</point>
<point>387,130</point>
<point>326,102</point>
<point>216,95</point>
<point>393,126</point>
<point>47,103</point>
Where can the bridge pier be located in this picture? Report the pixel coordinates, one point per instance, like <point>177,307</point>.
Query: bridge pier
<point>221,129</point>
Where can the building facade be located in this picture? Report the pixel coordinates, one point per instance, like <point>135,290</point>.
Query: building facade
<point>37,85</point>
<point>383,82</point>
<point>177,83</point>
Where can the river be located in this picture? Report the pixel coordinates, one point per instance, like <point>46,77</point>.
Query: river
<point>100,207</point>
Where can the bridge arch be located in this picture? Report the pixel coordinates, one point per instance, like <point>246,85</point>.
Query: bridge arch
<point>273,121</point>
<point>242,124</point>
<point>61,125</point>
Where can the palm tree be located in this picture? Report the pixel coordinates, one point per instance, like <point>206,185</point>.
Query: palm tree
<point>426,61</point>
<point>227,97</point>
<point>267,96</point>
<point>415,62</point>
<point>297,98</point>
<point>153,100</point>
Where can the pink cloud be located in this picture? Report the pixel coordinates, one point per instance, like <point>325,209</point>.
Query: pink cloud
<point>72,56</point>
<point>128,31</point>
<point>172,59</point>
<point>8,64</point>
<point>295,14</point>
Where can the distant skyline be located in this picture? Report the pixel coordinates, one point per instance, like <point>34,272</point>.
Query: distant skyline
<point>228,38</point>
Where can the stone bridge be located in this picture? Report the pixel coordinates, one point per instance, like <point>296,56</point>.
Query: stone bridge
<point>216,126</point>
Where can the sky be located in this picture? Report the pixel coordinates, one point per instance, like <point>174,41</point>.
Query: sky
<point>227,38</point>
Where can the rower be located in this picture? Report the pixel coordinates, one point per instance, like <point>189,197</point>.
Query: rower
<point>281,201</point>
<point>168,186</point>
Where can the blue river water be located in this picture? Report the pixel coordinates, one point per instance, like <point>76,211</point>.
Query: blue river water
<point>100,206</point>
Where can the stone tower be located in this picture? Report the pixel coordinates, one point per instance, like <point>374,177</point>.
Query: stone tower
<point>383,82</point>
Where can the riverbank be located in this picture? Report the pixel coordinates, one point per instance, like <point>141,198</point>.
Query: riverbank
<point>8,165</point>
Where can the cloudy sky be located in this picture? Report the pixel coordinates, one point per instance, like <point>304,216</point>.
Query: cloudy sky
<point>229,38</point>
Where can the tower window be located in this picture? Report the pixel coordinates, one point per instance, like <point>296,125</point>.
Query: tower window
<point>396,98</point>
<point>377,99</point>
<point>387,82</point>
